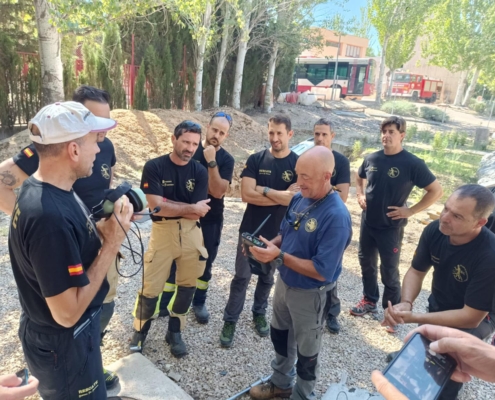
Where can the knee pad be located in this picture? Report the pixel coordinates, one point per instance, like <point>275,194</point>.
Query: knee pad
<point>306,366</point>
<point>180,303</point>
<point>280,339</point>
<point>145,307</point>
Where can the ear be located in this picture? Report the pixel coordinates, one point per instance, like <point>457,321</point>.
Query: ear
<point>290,134</point>
<point>174,139</point>
<point>482,222</point>
<point>73,151</point>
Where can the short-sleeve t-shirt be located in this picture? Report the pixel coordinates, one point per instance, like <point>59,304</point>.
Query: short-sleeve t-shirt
<point>91,190</point>
<point>462,275</point>
<point>52,243</point>
<point>272,172</point>
<point>225,165</point>
<point>342,170</point>
<point>181,183</point>
<point>390,182</point>
<point>322,237</point>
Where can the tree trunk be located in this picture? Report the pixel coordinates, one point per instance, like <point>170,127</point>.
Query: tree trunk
<point>471,87</point>
<point>460,88</point>
<point>223,56</point>
<point>50,41</point>
<point>381,72</point>
<point>202,40</point>
<point>267,107</point>
<point>241,56</point>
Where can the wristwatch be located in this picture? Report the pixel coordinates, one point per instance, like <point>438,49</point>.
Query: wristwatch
<point>212,164</point>
<point>266,190</point>
<point>277,262</point>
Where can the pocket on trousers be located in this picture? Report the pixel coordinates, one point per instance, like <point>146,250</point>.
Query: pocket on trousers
<point>79,351</point>
<point>149,256</point>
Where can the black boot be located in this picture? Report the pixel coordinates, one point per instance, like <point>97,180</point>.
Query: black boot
<point>177,345</point>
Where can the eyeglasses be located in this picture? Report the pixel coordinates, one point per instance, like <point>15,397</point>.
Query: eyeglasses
<point>189,125</point>
<point>222,114</point>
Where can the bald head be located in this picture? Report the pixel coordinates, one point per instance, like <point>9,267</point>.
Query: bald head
<point>314,170</point>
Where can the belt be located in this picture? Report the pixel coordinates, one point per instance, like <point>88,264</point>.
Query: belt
<point>157,219</point>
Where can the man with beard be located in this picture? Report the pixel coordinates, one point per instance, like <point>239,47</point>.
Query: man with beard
<point>220,165</point>
<point>268,185</point>
<point>179,188</point>
<point>324,133</point>
<point>389,175</point>
<point>461,251</point>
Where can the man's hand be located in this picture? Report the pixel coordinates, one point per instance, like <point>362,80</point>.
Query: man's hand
<point>294,188</point>
<point>399,212</point>
<point>265,255</point>
<point>114,229</point>
<point>10,389</point>
<point>202,207</point>
<point>361,198</point>
<point>474,357</point>
<point>398,314</point>
<point>385,388</point>
<point>210,153</point>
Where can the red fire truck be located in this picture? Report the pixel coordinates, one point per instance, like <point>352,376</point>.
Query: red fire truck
<point>417,87</point>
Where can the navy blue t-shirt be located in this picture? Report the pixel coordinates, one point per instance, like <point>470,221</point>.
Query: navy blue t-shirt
<point>322,237</point>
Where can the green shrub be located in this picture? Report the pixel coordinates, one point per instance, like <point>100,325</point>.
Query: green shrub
<point>411,132</point>
<point>357,149</point>
<point>479,107</point>
<point>433,114</point>
<point>440,142</point>
<point>425,136</point>
<point>400,107</point>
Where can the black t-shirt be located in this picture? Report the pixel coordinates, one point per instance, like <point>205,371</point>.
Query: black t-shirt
<point>342,170</point>
<point>225,165</point>
<point>91,189</point>
<point>185,184</point>
<point>52,243</point>
<point>390,182</point>
<point>462,275</point>
<point>275,173</point>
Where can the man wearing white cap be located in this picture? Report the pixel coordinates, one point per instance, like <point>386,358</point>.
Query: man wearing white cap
<point>58,259</point>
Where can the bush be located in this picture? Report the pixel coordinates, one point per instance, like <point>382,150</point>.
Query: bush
<point>400,107</point>
<point>433,114</point>
<point>440,142</point>
<point>425,136</point>
<point>357,149</point>
<point>457,138</point>
<point>479,107</point>
<point>411,132</point>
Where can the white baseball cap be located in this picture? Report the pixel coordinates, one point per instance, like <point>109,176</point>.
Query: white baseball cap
<point>66,121</point>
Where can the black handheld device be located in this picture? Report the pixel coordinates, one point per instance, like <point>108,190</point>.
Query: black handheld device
<point>418,372</point>
<point>24,375</point>
<point>250,240</point>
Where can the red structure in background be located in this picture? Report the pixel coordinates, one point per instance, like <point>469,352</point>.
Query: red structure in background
<point>25,61</point>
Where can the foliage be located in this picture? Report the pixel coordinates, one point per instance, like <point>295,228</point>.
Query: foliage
<point>357,149</point>
<point>425,136</point>
<point>440,141</point>
<point>69,43</point>
<point>411,132</point>
<point>140,96</point>
<point>433,114</point>
<point>400,107</point>
<point>480,108</point>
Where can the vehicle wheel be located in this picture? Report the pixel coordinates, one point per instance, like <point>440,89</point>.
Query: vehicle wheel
<point>433,98</point>
<point>415,96</point>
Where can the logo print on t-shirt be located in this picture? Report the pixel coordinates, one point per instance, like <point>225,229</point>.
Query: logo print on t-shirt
<point>287,176</point>
<point>460,273</point>
<point>393,172</point>
<point>105,171</point>
<point>190,185</point>
<point>311,225</point>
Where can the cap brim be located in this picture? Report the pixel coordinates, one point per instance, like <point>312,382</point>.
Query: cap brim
<point>104,124</point>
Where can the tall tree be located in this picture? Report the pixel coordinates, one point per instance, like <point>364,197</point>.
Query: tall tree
<point>50,42</point>
<point>141,97</point>
<point>393,20</point>
<point>222,56</point>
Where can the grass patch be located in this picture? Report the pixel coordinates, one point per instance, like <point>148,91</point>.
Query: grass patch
<point>400,107</point>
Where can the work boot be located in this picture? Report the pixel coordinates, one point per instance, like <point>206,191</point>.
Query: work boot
<point>333,325</point>
<point>269,391</point>
<point>202,314</point>
<point>363,307</point>
<point>227,335</point>
<point>261,325</point>
<point>177,345</point>
<point>137,342</point>
<point>111,379</point>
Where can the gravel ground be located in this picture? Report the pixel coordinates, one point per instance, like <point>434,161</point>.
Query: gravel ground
<point>210,372</point>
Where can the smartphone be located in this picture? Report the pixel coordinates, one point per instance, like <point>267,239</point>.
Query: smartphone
<point>418,372</point>
<point>24,375</point>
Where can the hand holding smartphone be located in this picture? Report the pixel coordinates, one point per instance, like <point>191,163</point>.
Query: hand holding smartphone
<point>418,372</point>
<point>24,375</point>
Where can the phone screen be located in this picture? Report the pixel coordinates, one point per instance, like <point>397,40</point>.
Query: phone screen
<point>418,373</point>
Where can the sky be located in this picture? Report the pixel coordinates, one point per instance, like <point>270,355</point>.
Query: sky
<point>349,9</point>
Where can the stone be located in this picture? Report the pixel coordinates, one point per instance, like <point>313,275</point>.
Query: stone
<point>175,376</point>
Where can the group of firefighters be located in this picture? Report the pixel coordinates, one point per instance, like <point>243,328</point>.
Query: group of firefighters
<point>65,261</point>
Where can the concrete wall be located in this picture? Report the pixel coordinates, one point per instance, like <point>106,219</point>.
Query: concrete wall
<point>345,41</point>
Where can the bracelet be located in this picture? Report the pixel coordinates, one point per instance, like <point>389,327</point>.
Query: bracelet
<point>407,301</point>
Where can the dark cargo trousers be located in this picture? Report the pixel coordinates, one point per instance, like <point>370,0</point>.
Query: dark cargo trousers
<point>296,331</point>
<point>238,288</point>
<point>386,243</point>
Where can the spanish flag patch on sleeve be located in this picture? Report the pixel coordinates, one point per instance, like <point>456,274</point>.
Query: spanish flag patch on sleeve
<point>75,270</point>
<point>28,152</point>
<point>145,185</point>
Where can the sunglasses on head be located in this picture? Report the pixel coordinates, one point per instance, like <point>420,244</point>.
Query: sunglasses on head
<point>222,114</point>
<point>189,125</point>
